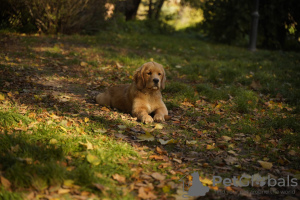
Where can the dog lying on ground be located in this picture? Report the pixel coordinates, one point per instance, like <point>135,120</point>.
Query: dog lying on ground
<point>142,97</point>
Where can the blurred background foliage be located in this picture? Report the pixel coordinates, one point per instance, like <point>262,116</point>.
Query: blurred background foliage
<point>226,21</point>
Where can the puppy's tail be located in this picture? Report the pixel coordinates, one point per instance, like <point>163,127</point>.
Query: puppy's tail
<point>103,99</point>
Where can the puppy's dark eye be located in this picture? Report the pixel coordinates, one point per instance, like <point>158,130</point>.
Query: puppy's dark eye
<point>159,74</point>
<point>149,73</point>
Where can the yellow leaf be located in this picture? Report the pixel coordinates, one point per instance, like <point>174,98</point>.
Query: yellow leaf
<point>65,130</point>
<point>257,138</point>
<point>53,141</point>
<point>68,183</point>
<point>191,142</point>
<point>86,119</point>
<point>210,147</point>
<point>88,145</point>
<point>32,115</point>
<point>171,141</point>
<point>159,126</point>
<point>265,165</point>
<point>83,64</point>
<point>206,181</point>
<point>2,97</point>
<point>146,137</point>
<point>94,160</point>
<point>63,191</point>
<point>166,189</point>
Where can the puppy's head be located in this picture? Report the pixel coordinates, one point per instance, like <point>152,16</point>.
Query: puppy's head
<point>150,75</point>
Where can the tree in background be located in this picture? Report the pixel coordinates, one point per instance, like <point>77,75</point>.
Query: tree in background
<point>229,21</point>
<point>53,16</point>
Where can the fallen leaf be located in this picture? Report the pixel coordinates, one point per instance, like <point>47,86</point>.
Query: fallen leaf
<point>99,186</point>
<point>292,152</point>
<point>119,178</point>
<point>232,153</point>
<point>122,127</point>
<point>177,160</point>
<point>171,141</point>
<point>63,191</point>
<point>226,138</point>
<point>265,165</point>
<point>146,194</point>
<point>167,117</point>
<point>83,64</point>
<point>53,141</point>
<point>88,145</point>
<point>208,147</point>
<point>68,183</point>
<point>2,97</point>
<point>158,176</point>
<point>94,160</point>
<point>255,85</point>
<point>191,142</point>
<point>145,137</point>
<point>6,183</point>
<point>206,181</point>
<point>160,151</point>
<point>62,128</point>
<point>100,130</point>
<point>230,160</point>
<point>120,135</point>
<point>159,126</point>
<point>31,115</point>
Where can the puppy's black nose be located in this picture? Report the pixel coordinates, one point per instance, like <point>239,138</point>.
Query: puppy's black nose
<point>156,80</point>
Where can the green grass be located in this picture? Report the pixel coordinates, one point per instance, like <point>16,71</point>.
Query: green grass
<point>212,91</point>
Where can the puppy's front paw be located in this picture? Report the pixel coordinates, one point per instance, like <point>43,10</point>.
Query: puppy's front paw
<point>159,118</point>
<point>147,119</point>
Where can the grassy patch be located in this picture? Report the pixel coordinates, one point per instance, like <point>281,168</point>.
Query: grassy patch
<point>229,108</point>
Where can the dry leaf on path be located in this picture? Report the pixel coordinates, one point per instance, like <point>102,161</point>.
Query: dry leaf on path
<point>171,141</point>
<point>158,176</point>
<point>146,194</point>
<point>146,137</point>
<point>119,178</point>
<point>265,165</point>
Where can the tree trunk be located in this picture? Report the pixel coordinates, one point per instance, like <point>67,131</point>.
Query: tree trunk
<point>150,10</point>
<point>158,7</point>
<point>131,8</point>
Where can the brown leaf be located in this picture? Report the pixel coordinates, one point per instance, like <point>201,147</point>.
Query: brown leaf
<point>255,85</point>
<point>146,194</point>
<point>160,151</point>
<point>167,117</point>
<point>226,138</point>
<point>99,186</point>
<point>6,183</point>
<point>119,178</point>
<point>158,176</point>
<point>230,160</point>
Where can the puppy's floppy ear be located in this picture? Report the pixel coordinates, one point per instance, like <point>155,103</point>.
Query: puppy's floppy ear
<point>139,78</point>
<point>163,80</point>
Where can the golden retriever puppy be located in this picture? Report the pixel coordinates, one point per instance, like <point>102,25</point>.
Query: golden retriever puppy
<point>140,98</point>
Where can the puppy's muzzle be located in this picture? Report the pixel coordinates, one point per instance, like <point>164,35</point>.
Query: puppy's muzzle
<point>156,80</point>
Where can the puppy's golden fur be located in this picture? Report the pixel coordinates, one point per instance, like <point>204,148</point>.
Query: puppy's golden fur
<point>142,97</point>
